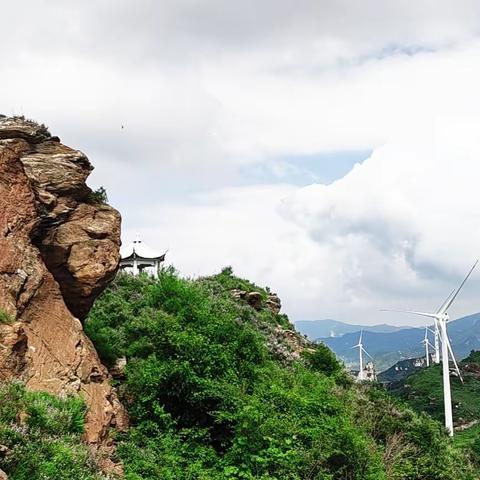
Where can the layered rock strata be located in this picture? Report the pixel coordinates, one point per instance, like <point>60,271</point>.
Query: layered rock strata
<point>58,250</point>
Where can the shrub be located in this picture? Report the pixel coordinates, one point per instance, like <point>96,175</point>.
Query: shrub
<point>42,435</point>
<point>5,317</point>
<point>322,359</point>
<point>98,196</point>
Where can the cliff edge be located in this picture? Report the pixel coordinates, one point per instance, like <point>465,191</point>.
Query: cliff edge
<point>58,250</point>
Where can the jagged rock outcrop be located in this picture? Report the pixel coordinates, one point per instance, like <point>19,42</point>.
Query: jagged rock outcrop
<point>58,250</point>
<point>255,300</point>
<point>274,303</point>
<point>285,344</point>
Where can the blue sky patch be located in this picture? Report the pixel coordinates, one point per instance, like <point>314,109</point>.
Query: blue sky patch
<point>304,169</point>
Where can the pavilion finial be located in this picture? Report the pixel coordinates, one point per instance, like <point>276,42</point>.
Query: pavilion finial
<point>137,238</point>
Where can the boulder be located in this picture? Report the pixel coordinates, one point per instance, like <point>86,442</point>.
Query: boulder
<point>254,299</point>
<point>238,294</point>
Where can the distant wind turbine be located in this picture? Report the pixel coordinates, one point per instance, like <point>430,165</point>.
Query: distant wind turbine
<point>427,344</point>
<point>361,351</point>
<point>441,319</point>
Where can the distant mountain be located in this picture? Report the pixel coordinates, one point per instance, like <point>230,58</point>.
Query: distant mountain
<point>389,348</point>
<point>314,329</point>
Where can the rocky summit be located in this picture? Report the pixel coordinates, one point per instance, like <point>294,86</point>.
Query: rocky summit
<point>59,248</point>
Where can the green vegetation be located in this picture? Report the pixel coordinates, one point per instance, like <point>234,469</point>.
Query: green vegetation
<point>424,391</point>
<point>42,129</point>
<point>5,317</point>
<point>40,436</point>
<point>464,439</point>
<point>98,196</point>
<point>214,392</point>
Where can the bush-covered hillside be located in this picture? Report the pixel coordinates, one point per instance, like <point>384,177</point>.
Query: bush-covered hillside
<point>219,389</point>
<point>40,437</point>
<point>424,391</point>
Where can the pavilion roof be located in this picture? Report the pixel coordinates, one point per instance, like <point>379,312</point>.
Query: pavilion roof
<point>140,249</point>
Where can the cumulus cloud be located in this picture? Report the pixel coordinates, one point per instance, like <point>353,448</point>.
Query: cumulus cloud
<point>400,230</point>
<point>406,222</point>
<point>215,95</point>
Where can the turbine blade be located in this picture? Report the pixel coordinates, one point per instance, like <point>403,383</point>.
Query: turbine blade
<point>452,299</point>
<point>453,358</point>
<point>422,314</point>
<point>446,301</point>
<point>364,351</point>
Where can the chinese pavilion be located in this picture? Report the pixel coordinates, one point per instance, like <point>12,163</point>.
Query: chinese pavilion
<point>137,257</point>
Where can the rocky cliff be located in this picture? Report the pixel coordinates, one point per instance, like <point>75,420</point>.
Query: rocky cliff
<point>58,250</point>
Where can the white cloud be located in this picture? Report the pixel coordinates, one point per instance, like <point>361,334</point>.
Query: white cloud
<point>206,89</point>
<point>406,222</point>
<point>355,107</point>
<point>399,230</point>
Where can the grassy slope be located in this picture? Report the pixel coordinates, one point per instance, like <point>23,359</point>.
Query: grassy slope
<point>214,393</point>
<point>40,437</point>
<point>423,391</point>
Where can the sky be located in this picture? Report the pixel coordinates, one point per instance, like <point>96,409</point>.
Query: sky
<point>327,148</point>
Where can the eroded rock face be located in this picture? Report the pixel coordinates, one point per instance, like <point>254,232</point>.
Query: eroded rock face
<point>82,253</point>
<point>57,253</point>
<point>274,303</point>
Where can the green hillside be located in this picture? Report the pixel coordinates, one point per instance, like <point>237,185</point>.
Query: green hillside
<point>218,389</point>
<point>219,386</point>
<point>424,391</point>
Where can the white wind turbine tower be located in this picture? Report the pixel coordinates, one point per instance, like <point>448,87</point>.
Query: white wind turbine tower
<point>441,318</point>
<point>427,344</point>
<point>361,351</point>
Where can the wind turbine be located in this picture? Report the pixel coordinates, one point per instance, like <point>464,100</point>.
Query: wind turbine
<point>436,340</point>
<point>441,319</point>
<point>361,351</point>
<point>427,344</point>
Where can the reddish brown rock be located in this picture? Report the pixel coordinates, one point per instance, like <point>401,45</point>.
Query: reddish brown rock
<point>57,252</point>
<point>82,253</point>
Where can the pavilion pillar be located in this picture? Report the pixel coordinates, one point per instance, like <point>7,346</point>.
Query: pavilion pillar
<point>135,267</point>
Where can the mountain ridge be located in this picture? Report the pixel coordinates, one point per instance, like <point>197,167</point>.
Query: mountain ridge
<point>315,329</point>
<point>389,348</point>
